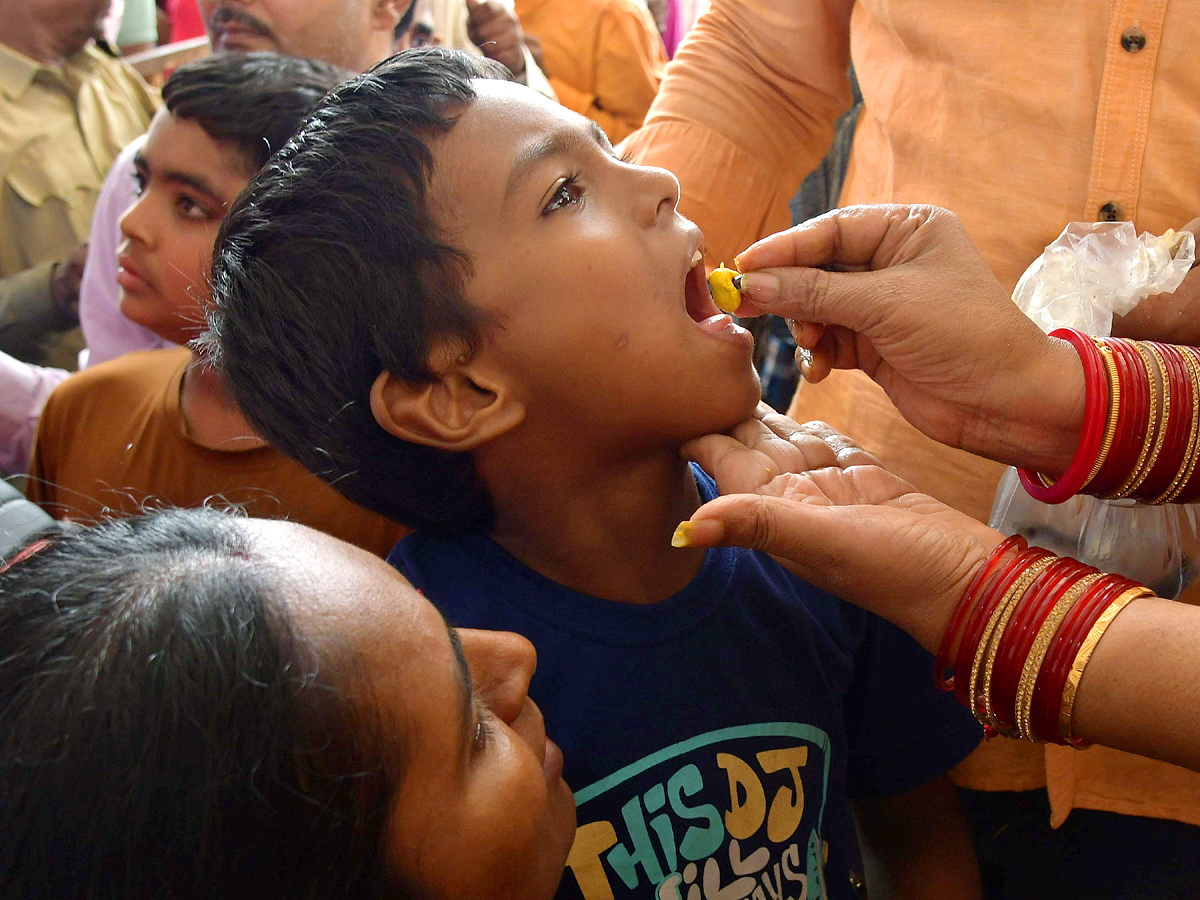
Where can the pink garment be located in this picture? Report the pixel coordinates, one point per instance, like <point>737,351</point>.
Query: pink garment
<point>673,33</point>
<point>185,20</point>
<point>106,331</point>
<point>681,16</point>
<point>23,392</point>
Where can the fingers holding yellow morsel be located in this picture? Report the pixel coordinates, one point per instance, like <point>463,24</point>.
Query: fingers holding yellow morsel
<point>725,291</point>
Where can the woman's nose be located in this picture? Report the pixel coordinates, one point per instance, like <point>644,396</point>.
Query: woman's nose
<point>502,665</point>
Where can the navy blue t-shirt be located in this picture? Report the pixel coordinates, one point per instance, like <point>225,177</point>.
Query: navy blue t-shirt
<point>714,739</point>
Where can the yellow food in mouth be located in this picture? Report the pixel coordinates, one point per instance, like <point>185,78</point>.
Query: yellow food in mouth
<point>720,284</point>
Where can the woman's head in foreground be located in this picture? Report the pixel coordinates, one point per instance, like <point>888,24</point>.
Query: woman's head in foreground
<point>199,705</point>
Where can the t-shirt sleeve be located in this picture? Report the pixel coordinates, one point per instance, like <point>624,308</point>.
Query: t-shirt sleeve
<point>903,730</point>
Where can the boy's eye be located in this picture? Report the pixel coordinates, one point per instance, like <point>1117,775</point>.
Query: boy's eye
<point>568,193</point>
<point>190,209</point>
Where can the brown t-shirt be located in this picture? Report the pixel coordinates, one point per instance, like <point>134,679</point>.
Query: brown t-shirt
<point>112,440</point>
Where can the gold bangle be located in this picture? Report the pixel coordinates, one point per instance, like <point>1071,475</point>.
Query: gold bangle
<point>993,632</point>
<point>1183,476</point>
<point>1151,421</point>
<point>1139,476</point>
<point>1023,711</point>
<point>1066,707</point>
<point>1114,410</point>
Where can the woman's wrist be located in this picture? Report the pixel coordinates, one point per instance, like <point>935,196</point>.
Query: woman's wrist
<point>1038,414</point>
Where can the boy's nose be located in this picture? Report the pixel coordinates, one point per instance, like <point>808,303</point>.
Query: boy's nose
<point>659,192</point>
<point>135,223</point>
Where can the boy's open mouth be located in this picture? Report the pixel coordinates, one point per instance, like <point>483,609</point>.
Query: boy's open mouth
<point>700,306</point>
<point>699,302</point>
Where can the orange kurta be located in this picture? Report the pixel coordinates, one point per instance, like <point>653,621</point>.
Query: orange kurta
<point>604,58</point>
<point>1020,117</point>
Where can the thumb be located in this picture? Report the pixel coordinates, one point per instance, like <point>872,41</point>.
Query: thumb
<point>809,540</point>
<point>836,549</point>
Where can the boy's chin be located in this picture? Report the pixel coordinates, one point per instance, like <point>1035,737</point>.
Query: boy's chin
<point>720,410</point>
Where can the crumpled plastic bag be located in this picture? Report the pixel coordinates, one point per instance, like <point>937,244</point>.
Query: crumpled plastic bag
<point>1090,272</point>
<point>1095,269</point>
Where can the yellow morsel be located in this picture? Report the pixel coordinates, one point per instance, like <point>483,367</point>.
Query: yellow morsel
<point>724,294</point>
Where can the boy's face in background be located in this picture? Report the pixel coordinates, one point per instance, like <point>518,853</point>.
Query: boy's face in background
<point>589,274</point>
<point>186,181</point>
<point>336,31</point>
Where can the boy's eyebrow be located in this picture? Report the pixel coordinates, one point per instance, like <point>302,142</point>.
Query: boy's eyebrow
<point>195,182</point>
<point>557,143</point>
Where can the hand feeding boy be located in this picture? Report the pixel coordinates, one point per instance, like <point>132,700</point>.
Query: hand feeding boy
<point>449,297</point>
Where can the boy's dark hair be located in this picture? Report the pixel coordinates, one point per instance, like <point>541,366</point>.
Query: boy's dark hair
<point>255,101</point>
<point>168,734</point>
<point>330,270</point>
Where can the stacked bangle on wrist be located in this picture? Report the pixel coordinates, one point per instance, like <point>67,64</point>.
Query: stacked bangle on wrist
<point>1022,635</point>
<point>1141,420</point>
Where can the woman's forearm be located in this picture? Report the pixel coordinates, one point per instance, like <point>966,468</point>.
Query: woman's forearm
<point>1141,689</point>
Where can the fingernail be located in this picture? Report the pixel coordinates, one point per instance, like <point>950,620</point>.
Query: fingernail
<point>699,533</point>
<point>805,361</point>
<point>760,286</point>
<point>737,282</point>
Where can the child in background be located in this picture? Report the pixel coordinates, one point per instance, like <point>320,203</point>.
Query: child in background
<point>495,330</point>
<point>156,426</point>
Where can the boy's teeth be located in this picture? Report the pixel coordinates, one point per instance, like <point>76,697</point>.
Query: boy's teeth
<point>696,257</point>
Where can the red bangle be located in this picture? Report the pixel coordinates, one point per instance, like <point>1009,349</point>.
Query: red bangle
<point>1132,423</point>
<point>1095,414</point>
<point>965,605</point>
<point>977,623</point>
<point>1179,427</point>
<point>1047,695</point>
<point>1187,464</point>
<point>1018,638</point>
<point>1191,490</point>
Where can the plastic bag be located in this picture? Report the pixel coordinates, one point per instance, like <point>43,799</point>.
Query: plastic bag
<point>1090,272</point>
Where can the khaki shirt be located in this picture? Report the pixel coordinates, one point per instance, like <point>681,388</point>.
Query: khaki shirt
<point>61,127</point>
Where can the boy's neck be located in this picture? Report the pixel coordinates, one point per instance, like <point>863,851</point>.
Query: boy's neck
<point>209,414</point>
<point>600,530</point>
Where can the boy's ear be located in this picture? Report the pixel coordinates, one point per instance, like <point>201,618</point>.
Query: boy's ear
<point>387,13</point>
<point>464,408</point>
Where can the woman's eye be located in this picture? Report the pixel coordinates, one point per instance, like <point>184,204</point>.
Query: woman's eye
<point>483,730</point>
<point>568,193</point>
<point>139,184</point>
